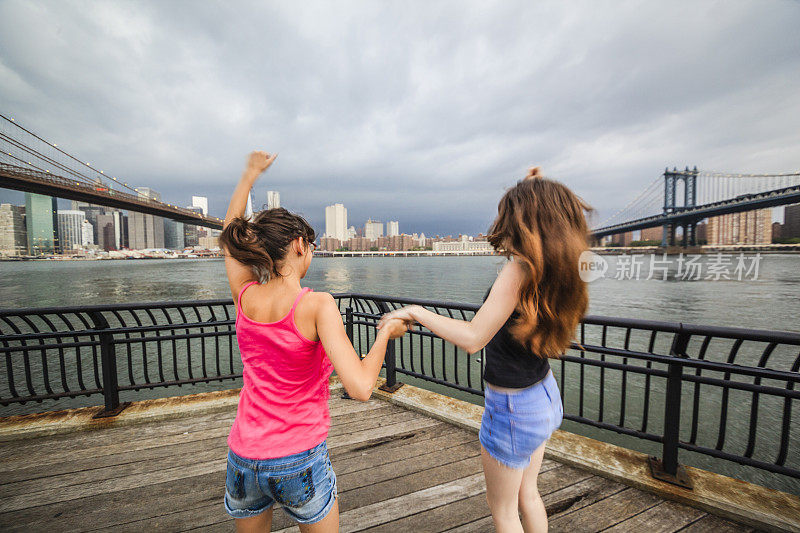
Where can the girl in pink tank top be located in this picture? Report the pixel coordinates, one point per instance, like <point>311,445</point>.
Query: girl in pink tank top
<point>290,340</point>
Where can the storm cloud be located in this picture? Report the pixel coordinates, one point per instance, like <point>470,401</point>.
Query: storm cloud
<point>420,112</point>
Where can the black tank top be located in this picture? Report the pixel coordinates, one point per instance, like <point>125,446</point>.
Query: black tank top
<point>509,363</point>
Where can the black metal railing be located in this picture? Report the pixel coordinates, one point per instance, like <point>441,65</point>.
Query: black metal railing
<point>726,393</point>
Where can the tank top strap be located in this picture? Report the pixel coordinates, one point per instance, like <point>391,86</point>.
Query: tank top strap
<point>239,300</point>
<point>297,300</point>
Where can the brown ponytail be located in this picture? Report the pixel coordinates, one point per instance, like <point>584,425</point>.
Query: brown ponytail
<point>263,243</point>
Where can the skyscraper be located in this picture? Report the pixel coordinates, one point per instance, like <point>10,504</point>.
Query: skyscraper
<point>373,229</point>
<point>174,238</point>
<point>273,199</point>
<point>336,222</point>
<point>13,237</point>
<point>747,227</point>
<point>392,228</point>
<point>191,235</point>
<point>146,231</point>
<point>70,228</point>
<point>201,202</point>
<point>41,222</point>
<point>791,221</point>
<point>248,209</point>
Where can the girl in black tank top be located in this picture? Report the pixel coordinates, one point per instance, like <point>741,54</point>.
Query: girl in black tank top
<point>540,227</point>
<point>510,364</point>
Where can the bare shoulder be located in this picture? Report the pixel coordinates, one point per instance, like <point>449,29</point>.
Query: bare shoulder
<point>321,300</point>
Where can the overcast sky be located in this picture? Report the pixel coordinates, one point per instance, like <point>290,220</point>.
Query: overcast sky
<point>422,112</point>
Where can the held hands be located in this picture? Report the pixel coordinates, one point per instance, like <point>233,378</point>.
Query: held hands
<point>258,162</point>
<point>405,314</point>
<point>394,328</point>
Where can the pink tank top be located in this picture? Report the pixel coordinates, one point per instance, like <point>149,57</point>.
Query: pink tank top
<point>283,405</point>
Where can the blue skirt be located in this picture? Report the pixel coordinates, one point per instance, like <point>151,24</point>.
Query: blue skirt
<point>515,424</point>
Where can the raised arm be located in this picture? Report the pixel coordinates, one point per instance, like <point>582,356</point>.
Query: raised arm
<point>258,162</point>
<point>358,375</point>
<point>471,335</point>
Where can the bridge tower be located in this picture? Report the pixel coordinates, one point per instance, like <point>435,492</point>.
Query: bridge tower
<point>671,178</point>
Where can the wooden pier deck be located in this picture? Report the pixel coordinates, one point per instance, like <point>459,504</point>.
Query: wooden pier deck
<point>398,470</point>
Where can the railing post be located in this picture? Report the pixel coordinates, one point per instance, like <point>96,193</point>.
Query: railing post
<point>348,327</point>
<point>390,362</point>
<point>108,361</point>
<point>667,469</point>
<point>348,323</point>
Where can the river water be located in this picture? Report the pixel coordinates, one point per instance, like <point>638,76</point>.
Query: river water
<point>766,299</point>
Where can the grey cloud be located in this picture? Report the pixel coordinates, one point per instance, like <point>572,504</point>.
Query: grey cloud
<point>410,111</point>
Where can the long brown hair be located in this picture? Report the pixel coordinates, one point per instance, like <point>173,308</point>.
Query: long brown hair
<point>262,244</point>
<point>542,223</point>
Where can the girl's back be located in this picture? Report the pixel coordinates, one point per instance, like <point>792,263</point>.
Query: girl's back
<point>283,406</point>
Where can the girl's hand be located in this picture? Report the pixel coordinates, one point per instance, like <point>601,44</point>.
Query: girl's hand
<point>395,328</point>
<point>259,161</point>
<point>404,313</point>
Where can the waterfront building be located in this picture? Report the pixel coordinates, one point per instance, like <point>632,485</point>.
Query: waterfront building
<point>210,240</point>
<point>747,227</point>
<point>106,232</point>
<point>41,224</point>
<point>776,231</point>
<point>174,234</point>
<point>201,202</point>
<point>191,233</point>
<point>462,246</point>
<point>146,231</point>
<point>373,229</point>
<point>336,222</point>
<point>120,230</point>
<point>392,228</point>
<point>652,234</point>
<point>358,244</point>
<point>791,222</point>
<point>92,211</point>
<point>70,228</point>
<point>351,232</point>
<point>329,243</point>
<point>87,234</point>
<point>13,236</point>
<point>273,199</point>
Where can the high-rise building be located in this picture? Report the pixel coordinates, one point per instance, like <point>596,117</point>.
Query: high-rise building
<point>106,232</point>
<point>70,228</point>
<point>191,233</point>
<point>392,228</point>
<point>201,202</point>
<point>92,211</point>
<point>174,234</point>
<point>373,229</point>
<point>336,222</point>
<point>13,236</point>
<point>791,222</point>
<point>146,231</point>
<point>273,199</point>
<point>41,223</point>
<point>248,209</point>
<point>87,234</point>
<point>120,230</point>
<point>747,227</point>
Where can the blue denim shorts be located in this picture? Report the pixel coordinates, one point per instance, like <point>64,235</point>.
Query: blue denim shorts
<point>515,424</point>
<point>303,483</point>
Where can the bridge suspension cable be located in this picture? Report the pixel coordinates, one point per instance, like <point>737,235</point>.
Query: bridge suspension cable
<point>98,177</point>
<point>642,203</point>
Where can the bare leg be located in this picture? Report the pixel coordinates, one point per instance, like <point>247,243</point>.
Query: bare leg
<point>502,491</point>
<point>255,524</point>
<point>534,514</point>
<point>329,524</point>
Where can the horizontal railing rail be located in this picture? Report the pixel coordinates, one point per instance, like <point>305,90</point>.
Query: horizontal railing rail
<point>722,392</point>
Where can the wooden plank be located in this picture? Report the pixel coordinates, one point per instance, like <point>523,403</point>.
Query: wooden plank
<point>393,509</point>
<point>665,517</point>
<point>440,518</point>
<point>9,450</point>
<point>714,524</point>
<point>605,513</point>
